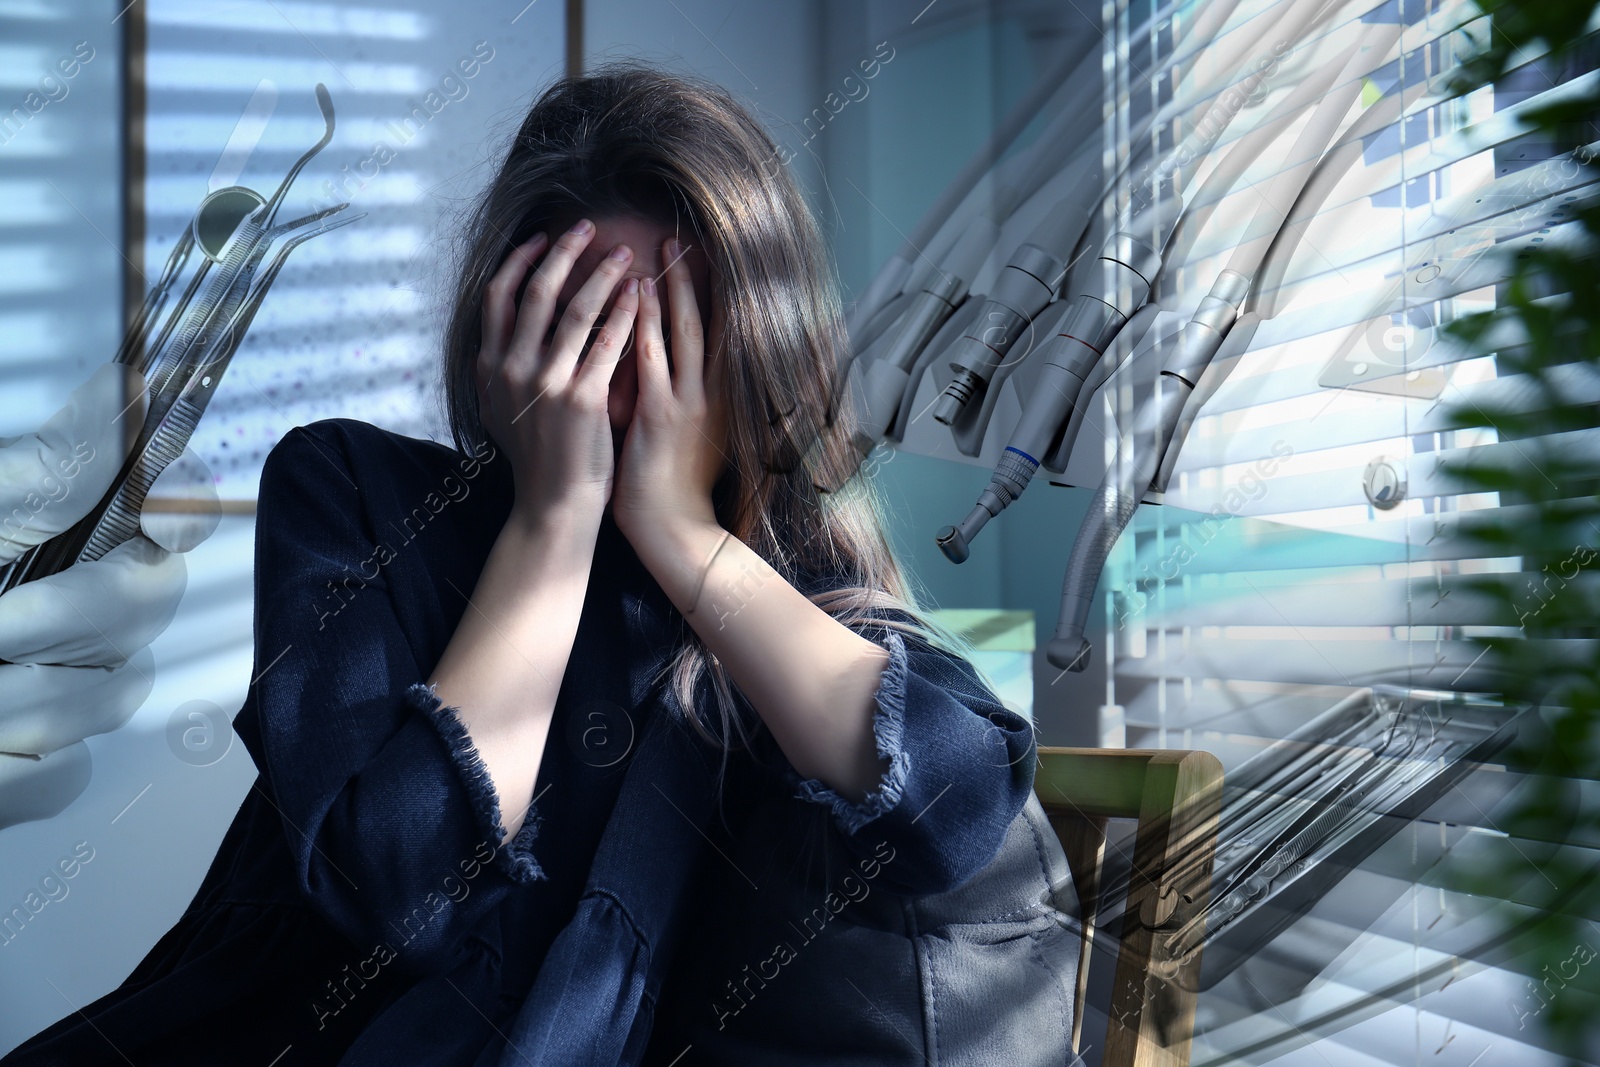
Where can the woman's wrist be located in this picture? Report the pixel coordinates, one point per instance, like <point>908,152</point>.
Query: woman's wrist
<point>680,556</point>
<point>555,520</point>
<point>558,537</point>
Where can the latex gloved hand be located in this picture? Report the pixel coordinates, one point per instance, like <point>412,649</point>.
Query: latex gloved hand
<point>76,641</point>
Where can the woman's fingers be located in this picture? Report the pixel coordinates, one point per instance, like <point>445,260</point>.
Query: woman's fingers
<point>525,354</point>
<point>577,322</point>
<point>688,332</point>
<point>655,378</point>
<point>500,319</point>
<point>601,362</point>
<point>500,301</point>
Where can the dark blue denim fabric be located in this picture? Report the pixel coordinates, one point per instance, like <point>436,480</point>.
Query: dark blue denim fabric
<point>899,931</point>
<point>361,910</point>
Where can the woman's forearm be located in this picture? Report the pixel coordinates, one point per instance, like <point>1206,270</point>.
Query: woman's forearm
<point>503,666</point>
<point>811,678</point>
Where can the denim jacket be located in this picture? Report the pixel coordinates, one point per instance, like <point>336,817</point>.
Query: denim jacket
<point>362,910</point>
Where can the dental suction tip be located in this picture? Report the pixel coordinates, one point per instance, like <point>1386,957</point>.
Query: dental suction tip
<point>953,544</point>
<point>1069,653</point>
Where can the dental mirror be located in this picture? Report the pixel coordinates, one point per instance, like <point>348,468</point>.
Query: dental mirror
<point>219,217</point>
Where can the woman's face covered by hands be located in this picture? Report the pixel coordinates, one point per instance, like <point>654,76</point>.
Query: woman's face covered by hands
<point>646,238</point>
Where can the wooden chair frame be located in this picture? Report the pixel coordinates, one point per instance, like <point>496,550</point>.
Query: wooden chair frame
<point>1175,796</point>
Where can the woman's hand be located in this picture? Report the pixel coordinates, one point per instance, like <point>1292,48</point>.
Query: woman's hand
<point>543,407</point>
<point>676,443</point>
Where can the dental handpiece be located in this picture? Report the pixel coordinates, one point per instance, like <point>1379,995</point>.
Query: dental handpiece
<point>1027,283</point>
<point>877,386</point>
<point>1073,101</point>
<point>1162,420</point>
<point>1086,327</point>
<point>1037,163</point>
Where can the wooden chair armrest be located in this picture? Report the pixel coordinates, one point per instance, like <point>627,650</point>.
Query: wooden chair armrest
<point>1111,782</point>
<point>1175,795</point>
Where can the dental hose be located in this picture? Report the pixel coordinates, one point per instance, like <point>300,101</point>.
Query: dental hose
<point>1129,478</point>
<point>1113,507</point>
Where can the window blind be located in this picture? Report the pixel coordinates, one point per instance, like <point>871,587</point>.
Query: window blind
<point>1312,544</point>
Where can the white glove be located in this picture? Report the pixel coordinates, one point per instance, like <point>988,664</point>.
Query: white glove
<point>76,640</point>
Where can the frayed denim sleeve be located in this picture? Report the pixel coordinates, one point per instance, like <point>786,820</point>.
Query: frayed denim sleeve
<point>888,732</point>
<point>960,768</point>
<point>518,863</point>
<point>388,810</point>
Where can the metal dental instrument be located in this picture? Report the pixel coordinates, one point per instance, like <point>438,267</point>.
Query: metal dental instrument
<point>184,351</point>
<point>1028,282</point>
<point>878,387</point>
<point>982,189</point>
<point>1305,812</point>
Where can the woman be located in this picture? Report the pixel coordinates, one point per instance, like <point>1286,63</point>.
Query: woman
<point>605,737</point>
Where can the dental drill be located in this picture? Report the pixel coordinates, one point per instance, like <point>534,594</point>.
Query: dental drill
<point>1068,91</point>
<point>878,388</point>
<point>1129,478</point>
<point>1027,283</point>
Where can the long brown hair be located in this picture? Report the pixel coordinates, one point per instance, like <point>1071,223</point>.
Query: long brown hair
<point>631,139</point>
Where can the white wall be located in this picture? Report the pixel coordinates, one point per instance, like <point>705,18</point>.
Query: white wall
<point>768,54</point>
